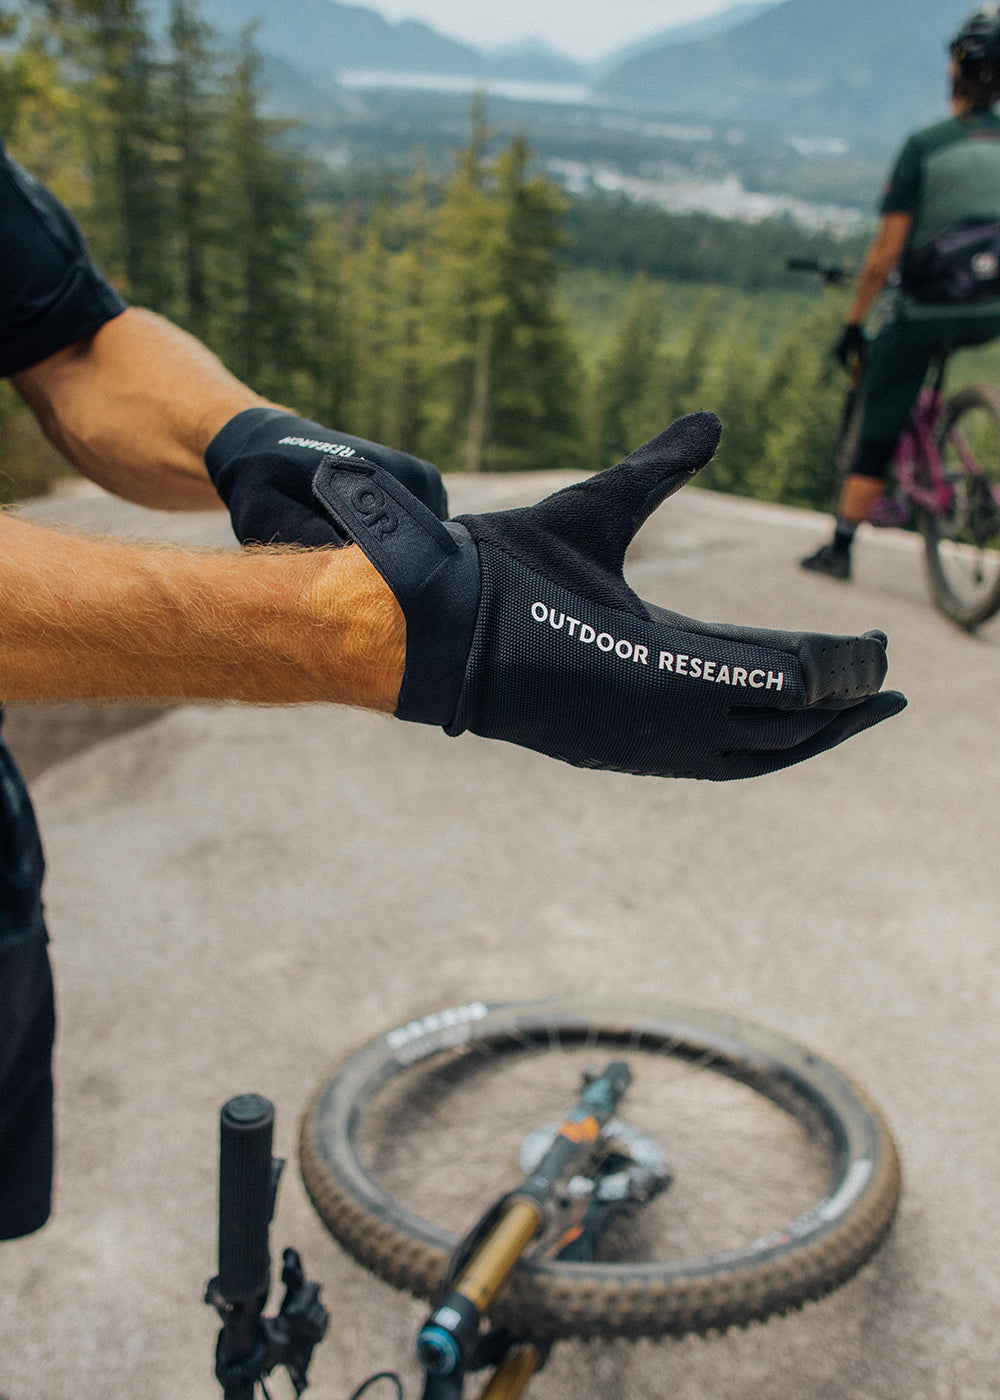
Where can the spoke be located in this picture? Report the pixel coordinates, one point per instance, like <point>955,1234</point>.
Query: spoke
<point>742,1165</point>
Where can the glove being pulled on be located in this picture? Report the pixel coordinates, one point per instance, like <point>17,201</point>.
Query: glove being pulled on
<point>263,464</point>
<point>520,626</point>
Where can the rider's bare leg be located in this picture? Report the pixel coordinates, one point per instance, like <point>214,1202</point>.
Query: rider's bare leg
<point>862,487</point>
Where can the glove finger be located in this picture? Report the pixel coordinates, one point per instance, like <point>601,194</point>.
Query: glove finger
<point>299,442</point>
<point>602,514</point>
<point>768,730</point>
<point>835,670</point>
<point>841,726</point>
<point>838,669</point>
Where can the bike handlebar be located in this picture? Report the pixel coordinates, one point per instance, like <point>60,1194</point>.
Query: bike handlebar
<point>831,273</point>
<point>250,1346</point>
<point>248,1183</point>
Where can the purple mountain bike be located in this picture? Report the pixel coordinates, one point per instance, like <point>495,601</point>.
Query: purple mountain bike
<point>947,472</point>
<point>947,481</point>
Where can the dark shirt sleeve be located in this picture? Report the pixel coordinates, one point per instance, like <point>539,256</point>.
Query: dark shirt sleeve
<point>51,294</point>
<point>902,192</point>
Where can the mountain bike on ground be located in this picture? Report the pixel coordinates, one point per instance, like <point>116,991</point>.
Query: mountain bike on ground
<point>947,480</point>
<point>712,1173</point>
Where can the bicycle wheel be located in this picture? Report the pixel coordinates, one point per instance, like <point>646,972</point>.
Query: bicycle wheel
<point>785,1178</point>
<point>962,546</point>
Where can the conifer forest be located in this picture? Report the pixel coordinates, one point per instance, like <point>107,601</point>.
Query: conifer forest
<point>482,318</point>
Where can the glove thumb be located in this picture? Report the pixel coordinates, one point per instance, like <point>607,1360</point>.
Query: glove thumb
<point>580,535</point>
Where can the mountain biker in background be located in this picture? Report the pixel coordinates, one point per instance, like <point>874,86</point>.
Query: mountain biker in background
<point>939,238</point>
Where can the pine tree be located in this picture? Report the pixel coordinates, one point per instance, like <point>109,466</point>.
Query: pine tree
<point>535,411</point>
<point>622,376</point>
<point>108,40</point>
<point>330,329</point>
<point>691,365</point>
<point>507,376</point>
<point>190,127</point>
<point>672,384</point>
<point>265,233</point>
<point>40,115</point>
<point>412,285</point>
<point>392,277</point>
<point>731,388</point>
<point>466,303</point>
<point>800,407</point>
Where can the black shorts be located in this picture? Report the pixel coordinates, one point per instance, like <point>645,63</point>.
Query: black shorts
<point>27,1018</point>
<point>26,1113</point>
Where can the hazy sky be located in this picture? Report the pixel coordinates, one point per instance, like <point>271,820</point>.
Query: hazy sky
<point>583,29</point>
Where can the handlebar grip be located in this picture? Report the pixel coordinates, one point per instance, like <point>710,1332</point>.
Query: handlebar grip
<point>247,1184</point>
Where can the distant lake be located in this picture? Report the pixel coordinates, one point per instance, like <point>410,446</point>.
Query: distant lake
<point>570,94</point>
<point>673,187</point>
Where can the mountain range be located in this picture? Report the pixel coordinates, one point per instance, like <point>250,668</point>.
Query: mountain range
<point>731,18</point>
<point>325,37</point>
<point>861,70</point>
<point>874,66</point>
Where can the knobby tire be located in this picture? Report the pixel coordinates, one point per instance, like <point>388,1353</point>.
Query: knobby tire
<point>962,549</point>
<point>403,1147</point>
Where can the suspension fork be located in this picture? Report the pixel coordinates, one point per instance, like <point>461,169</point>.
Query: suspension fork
<point>447,1342</point>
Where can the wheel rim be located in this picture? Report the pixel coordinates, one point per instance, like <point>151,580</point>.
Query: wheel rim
<point>808,1226</point>
<point>744,1169</point>
<point>967,535</point>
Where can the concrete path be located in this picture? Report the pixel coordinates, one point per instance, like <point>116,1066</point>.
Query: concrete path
<point>237,897</point>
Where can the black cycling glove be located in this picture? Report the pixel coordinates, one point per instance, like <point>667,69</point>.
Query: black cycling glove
<point>520,626</point>
<point>852,347</point>
<point>263,463</point>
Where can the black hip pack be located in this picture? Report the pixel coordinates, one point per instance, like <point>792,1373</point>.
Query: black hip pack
<point>960,266</point>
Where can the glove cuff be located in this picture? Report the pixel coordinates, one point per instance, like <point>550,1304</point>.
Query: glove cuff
<point>304,443</point>
<point>432,568</point>
<point>233,439</point>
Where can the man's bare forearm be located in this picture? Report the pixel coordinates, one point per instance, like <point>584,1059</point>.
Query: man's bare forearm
<point>97,619</point>
<point>134,406</point>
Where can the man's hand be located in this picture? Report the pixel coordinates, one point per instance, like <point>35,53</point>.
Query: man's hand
<point>852,347</point>
<point>263,464</point>
<point>520,626</point>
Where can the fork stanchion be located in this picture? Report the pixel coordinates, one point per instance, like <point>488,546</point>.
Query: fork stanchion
<point>511,1377</point>
<point>499,1252</point>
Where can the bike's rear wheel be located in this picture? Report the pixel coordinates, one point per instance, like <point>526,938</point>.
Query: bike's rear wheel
<point>786,1178</point>
<point>962,546</point>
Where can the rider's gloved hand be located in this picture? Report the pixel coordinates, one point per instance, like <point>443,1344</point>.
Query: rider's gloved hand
<point>263,463</point>
<point>852,347</point>
<point>520,626</point>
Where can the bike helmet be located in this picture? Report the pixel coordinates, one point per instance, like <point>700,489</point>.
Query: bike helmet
<point>978,40</point>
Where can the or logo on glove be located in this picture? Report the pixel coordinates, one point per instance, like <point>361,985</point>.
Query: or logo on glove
<point>520,625</point>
